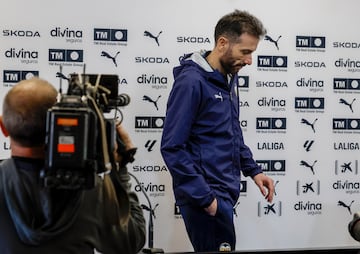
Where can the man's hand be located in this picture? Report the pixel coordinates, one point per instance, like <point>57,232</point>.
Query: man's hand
<point>266,186</point>
<point>124,137</point>
<point>212,208</point>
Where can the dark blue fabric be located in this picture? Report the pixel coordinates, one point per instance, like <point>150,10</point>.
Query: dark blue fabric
<point>36,221</point>
<point>202,142</point>
<point>23,191</point>
<point>206,232</point>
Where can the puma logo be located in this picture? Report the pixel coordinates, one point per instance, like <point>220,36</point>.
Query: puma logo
<point>348,207</point>
<point>268,38</point>
<point>343,101</point>
<point>311,167</point>
<point>147,98</point>
<point>156,38</point>
<point>312,125</point>
<point>219,96</point>
<point>113,58</point>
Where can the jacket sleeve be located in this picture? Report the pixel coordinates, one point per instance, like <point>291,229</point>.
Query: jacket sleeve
<point>130,236</point>
<point>248,165</point>
<point>182,107</point>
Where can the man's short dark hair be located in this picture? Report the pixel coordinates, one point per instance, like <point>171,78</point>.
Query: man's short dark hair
<point>234,24</point>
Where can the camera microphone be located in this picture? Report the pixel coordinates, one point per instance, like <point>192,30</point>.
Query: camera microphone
<point>122,99</point>
<point>354,227</point>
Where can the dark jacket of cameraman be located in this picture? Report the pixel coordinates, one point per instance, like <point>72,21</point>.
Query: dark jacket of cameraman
<point>42,221</point>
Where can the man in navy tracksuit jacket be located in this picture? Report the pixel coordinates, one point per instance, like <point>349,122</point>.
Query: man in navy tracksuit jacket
<point>202,142</point>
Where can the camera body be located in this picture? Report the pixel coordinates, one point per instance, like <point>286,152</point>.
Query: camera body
<point>79,140</point>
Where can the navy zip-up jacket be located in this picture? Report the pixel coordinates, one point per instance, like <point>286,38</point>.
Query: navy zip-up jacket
<point>202,142</point>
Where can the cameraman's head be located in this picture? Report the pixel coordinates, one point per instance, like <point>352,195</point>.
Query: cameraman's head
<point>24,115</point>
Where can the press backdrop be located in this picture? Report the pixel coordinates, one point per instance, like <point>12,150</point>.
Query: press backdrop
<point>299,100</point>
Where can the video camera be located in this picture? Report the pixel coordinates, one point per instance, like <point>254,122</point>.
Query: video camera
<point>80,141</point>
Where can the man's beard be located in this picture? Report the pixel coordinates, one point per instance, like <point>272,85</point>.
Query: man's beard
<point>230,67</point>
<point>228,64</point>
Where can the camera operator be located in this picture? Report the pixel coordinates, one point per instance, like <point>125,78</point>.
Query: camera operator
<point>354,227</point>
<point>35,219</point>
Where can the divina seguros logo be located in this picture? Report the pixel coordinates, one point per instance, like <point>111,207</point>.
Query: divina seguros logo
<point>25,56</point>
<point>273,103</point>
<point>156,82</point>
<point>70,35</point>
<point>352,65</point>
<point>154,190</point>
<point>313,85</point>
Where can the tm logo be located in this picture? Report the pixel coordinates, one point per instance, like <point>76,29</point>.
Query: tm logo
<point>310,42</point>
<point>272,61</point>
<point>149,122</point>
<point>115,35</point>
<point>350,84</point>
<point>66,55</point>
<point>14,76</point>
<point>270,123</point>
<point>346,124</point>
<point>272,165</point>
<point>309,103</point>
<point>243,81</point>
